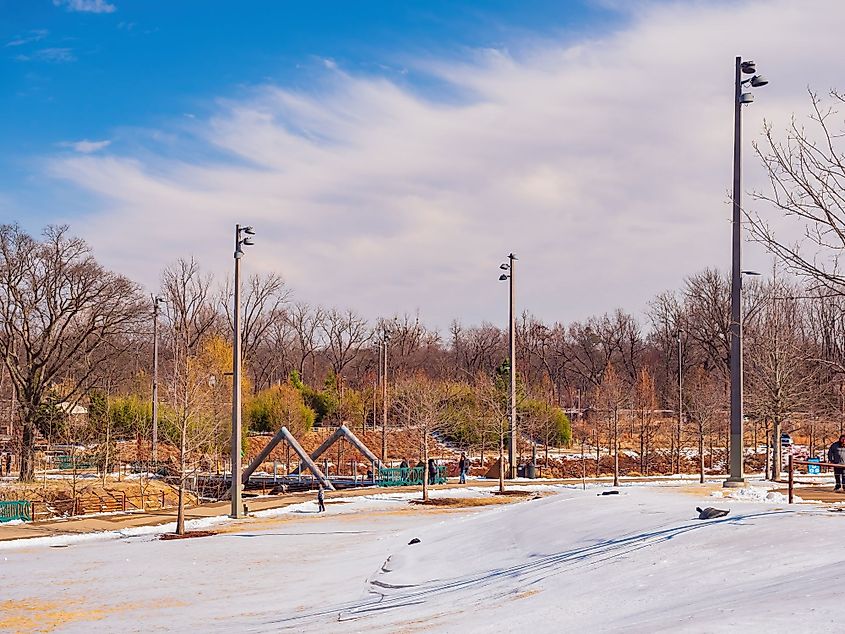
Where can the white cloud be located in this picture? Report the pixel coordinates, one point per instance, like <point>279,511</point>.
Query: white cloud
<point>87,147</point>
<point>604,164</point>
<point>50,55</point>
<point>86,6</point>
<point>35,35</point>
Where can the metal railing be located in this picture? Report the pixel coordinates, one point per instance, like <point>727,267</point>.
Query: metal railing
<point>407,476</point>
<point>15,510</point>
<point>808,463</point>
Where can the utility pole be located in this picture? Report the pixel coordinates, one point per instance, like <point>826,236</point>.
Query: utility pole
<point>157,301</point>
<point>509,266</point>
<point>237,485</point>
<point>680,397</point>
<point>384,402</point>
<point>736,477</point>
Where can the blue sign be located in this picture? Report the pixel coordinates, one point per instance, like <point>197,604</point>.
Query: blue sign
<point>814,469</point>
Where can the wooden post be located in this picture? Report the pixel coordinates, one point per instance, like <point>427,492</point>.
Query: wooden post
<point>124,501</point>
<point>791,479</point>
<point>162,499</point>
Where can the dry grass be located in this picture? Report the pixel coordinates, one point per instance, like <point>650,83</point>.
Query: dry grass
<point>509,497</point>
<point>187,535</point>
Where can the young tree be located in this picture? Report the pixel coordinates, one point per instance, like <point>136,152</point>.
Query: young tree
<point>426,402</point>
<point>705,398</point>
<point>612,396</point>
<point>59,313</point>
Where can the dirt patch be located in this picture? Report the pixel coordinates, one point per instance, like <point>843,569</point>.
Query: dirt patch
<point>516,494</point>
<point>186,535</point>
<point>35,615</point>
<point>463,502</point>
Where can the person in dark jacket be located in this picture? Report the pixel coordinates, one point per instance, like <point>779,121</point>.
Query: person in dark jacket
<point>432,471</point>
<point>836,455</point>
<point>321,500</point>
<point>463,467</point>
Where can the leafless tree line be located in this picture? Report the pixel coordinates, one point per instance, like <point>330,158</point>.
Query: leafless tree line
<point>69,325</point>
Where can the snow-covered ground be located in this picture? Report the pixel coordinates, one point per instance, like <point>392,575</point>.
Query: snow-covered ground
<point>634,562</point>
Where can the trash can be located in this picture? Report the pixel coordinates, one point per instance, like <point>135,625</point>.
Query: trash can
<point>520,471</point>
<point>531,470</point>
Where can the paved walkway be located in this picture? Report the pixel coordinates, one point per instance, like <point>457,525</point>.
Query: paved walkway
<point>119,521</point>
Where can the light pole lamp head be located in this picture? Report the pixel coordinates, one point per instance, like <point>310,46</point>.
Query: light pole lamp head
<point>247,242</point>
<point>758,80</point>
<point>748,67</point>
<point>504,267</point>
<point>503,277</point>
<point>248,231</point>
<point>746,97</point>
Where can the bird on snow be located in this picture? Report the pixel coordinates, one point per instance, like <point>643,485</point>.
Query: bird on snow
<point>710,513</point>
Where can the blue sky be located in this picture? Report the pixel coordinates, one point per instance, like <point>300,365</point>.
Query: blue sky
<point>126,66</point>
<point>390,154</point>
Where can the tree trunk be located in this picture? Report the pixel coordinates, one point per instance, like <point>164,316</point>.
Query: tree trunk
<point>27,467</point>
<point>701,454</point>
<point>776,457</point>
<point>502,463</point>
<point>425,465</point>
<point>767,450</point>
<point>616,449</point>
<point>180,513</point>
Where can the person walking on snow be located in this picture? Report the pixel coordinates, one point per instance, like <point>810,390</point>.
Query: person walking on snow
<point>432,471</point>
<point>463,467</point>
<point>321,500</point>
<point>836,455</point>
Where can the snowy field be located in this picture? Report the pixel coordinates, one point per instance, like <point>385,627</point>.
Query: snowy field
<point>572,560</point>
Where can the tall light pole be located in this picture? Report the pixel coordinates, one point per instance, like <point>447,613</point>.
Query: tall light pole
<point>383,348</point>
<point>157,301</point>
<point>242,239</point>
<point>736,477</point>
<point>509,266</point>
<point>680,395</point>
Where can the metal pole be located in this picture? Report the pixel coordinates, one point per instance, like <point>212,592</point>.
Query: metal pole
<point>384,408</point>
<point>237,486</point>
<point>512,352</point>
<point>736,476</point>
<point>154,448</point>
<point>680,397</point>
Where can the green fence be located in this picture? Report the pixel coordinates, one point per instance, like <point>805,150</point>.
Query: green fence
<point>407,476</point>
<point>66,463</point>
<point>15,510</point>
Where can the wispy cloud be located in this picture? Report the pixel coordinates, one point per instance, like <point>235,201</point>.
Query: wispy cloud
<point>35,35</point>
<point>50,55</point>
<point>604,164</point>
<point>85,146</point>
<point>86,6</point>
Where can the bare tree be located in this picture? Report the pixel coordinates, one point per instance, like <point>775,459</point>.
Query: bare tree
<point>262,304</point>
<point>705,398</point>
<point>345,332</point>
<point>806,172</point>
<point>307,327</point>
<point>613,394</point>
<point>59,311</point>
<point>779,375</point>
<point>427,404</point>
